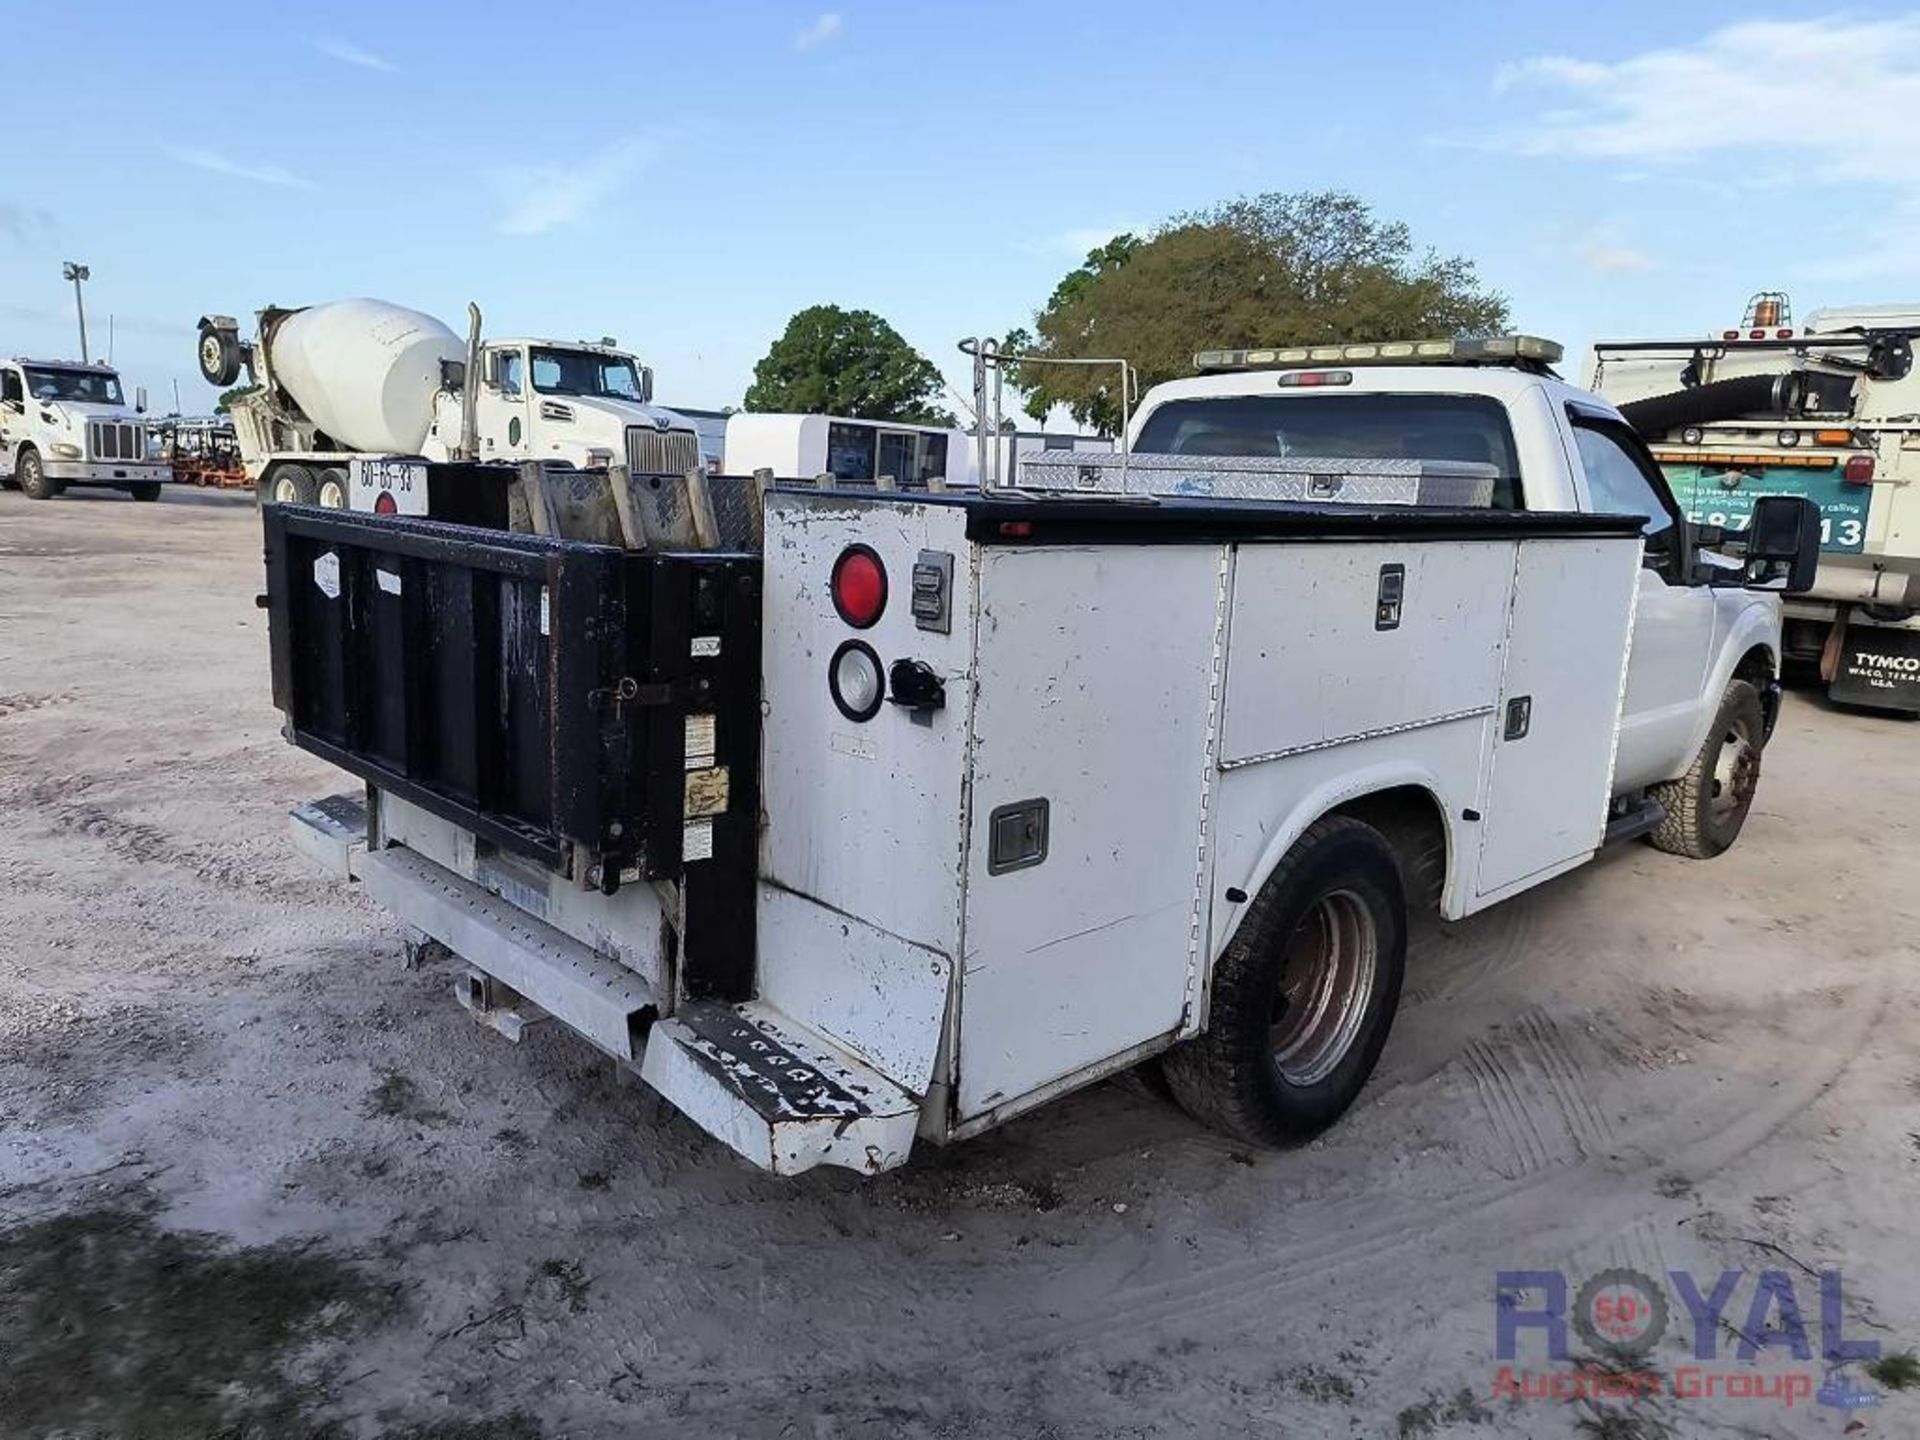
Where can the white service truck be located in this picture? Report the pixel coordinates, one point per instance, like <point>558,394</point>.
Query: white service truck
<point>933,805</point>
<point>67,422</point>
<point>344,394</point>
<point>1829,410</point>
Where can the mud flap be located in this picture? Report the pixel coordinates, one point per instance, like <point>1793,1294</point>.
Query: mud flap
<point>776,1092</point>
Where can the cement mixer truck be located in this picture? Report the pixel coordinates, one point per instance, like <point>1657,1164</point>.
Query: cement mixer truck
<point>345,398</point>
<point>1829,409</point>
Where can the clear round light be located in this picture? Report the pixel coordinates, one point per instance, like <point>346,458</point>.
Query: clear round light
<point>1789,437</point>
<point>857,680</point>
<point>1692,435</point>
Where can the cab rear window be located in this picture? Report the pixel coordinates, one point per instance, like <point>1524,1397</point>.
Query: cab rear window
<point>1329,426</point>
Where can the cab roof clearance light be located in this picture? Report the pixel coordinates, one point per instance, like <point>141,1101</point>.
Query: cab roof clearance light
<point>1494,350</point>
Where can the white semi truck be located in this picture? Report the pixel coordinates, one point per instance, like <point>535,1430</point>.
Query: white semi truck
<point>1829,410</point>
<point>900,812</point>
<point>342,391</point>
<point>66,422</point>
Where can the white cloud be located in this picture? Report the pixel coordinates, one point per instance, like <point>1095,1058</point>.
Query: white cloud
<point>543,198</point>
<point>220,165</point>
<point>348,53</point>
<point>828,24</point>
<point>1611,258</point>
<point>1832,98</point>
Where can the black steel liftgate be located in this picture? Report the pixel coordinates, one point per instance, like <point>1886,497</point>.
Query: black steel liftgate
<point>593,709</point>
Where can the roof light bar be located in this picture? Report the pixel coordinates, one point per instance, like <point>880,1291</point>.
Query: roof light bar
<point>1496,350</point>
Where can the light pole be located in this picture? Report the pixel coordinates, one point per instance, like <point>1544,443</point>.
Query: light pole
<point>72,270</point>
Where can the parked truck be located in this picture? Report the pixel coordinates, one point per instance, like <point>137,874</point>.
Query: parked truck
<point>66,422</point>
<point>894,813</point>
<point>343,395</point>
<point>1829,410</point>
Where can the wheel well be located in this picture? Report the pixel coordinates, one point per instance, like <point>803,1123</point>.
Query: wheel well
<point>1756,667</point>
<point>1413,823</point>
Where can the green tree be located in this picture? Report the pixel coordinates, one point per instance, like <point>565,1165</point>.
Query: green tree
<point>227,397</point>
<point>831,361</point>
<point>1275,269</point>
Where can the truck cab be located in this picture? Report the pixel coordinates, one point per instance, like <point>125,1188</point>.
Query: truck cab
<point>65,422</point>
<point>1556,448</point>
<point>570,402</point>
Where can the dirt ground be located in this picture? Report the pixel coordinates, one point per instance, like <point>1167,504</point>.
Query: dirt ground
<point>257,1179</point>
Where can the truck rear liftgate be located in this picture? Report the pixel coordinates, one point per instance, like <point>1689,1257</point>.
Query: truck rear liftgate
<point>589,716</point>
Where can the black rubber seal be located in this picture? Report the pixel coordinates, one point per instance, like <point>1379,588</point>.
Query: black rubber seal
<point>859,717</point>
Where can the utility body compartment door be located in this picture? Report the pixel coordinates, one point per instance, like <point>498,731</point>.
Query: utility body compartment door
<point>1096,675</point>
<point>1569,624</point>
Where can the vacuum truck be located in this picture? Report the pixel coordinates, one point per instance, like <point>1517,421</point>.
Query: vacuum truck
<point>1829,410</point>
<point>346,399</point>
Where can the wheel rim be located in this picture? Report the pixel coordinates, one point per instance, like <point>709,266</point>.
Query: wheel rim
<point>210,354</point>
<point>332,496</point>
<point>1326,977</point>
<point>285,491</point>
<point>1736,772</point>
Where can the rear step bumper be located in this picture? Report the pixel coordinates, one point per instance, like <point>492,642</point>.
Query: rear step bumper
<point>773,1090</point>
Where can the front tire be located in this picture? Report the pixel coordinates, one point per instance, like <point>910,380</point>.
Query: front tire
<point>1708,805</point>
<point>145,490</point>
<point>1305,994</point>
<point>35,483</point>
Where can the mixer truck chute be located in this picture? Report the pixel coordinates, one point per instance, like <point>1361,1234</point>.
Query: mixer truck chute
<point>360,383</point>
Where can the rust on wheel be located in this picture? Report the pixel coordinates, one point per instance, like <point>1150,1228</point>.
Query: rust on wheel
<point>1326,978</point>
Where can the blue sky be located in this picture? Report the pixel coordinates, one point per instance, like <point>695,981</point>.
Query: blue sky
<point>684,177</point>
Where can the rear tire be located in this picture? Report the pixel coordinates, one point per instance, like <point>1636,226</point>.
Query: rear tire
<point>331,491</point>
<point>1305,994</point>
<point>289,485</point>
<point>1707,806</point>
<point>145,490</point>
<point>35,483</point>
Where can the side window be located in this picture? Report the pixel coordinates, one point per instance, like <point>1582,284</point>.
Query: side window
<point>1619,484</point>
<point>10,388</point>
<point>509,372</point>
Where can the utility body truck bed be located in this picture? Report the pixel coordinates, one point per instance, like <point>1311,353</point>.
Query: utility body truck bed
<point>943,804</point>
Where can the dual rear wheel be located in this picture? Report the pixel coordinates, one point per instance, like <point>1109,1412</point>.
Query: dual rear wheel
<point>295,484</point>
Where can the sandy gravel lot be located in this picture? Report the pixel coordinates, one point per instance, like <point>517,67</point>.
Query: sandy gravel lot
<point>256,1179</point>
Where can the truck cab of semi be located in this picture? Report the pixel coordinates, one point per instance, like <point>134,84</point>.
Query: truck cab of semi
<point>580,403</point>
<point>65,422</point>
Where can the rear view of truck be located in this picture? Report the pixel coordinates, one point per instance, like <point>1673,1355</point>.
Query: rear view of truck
<point>1829,410</point>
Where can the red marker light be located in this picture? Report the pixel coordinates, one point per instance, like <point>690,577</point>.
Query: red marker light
<point>1859,470</point>
<point>859,586</point>
<point>384,504</point>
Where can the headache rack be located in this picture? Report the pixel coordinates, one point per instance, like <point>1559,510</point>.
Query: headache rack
<point>1455,484</point>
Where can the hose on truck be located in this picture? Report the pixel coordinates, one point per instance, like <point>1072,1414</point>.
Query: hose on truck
<point>1773,395</point>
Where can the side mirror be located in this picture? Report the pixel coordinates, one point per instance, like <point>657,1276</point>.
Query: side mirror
<point>646,384</point>
<point>140,399</point>
<point>1783,540</point>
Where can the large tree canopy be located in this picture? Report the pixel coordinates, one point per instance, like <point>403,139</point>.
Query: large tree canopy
<point>1274,269</point>
<point>847,362</point>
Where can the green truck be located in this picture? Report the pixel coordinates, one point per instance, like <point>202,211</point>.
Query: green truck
<point>1829,410</point>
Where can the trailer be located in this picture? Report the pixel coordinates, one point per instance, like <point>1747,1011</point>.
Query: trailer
<point>886,815</point>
